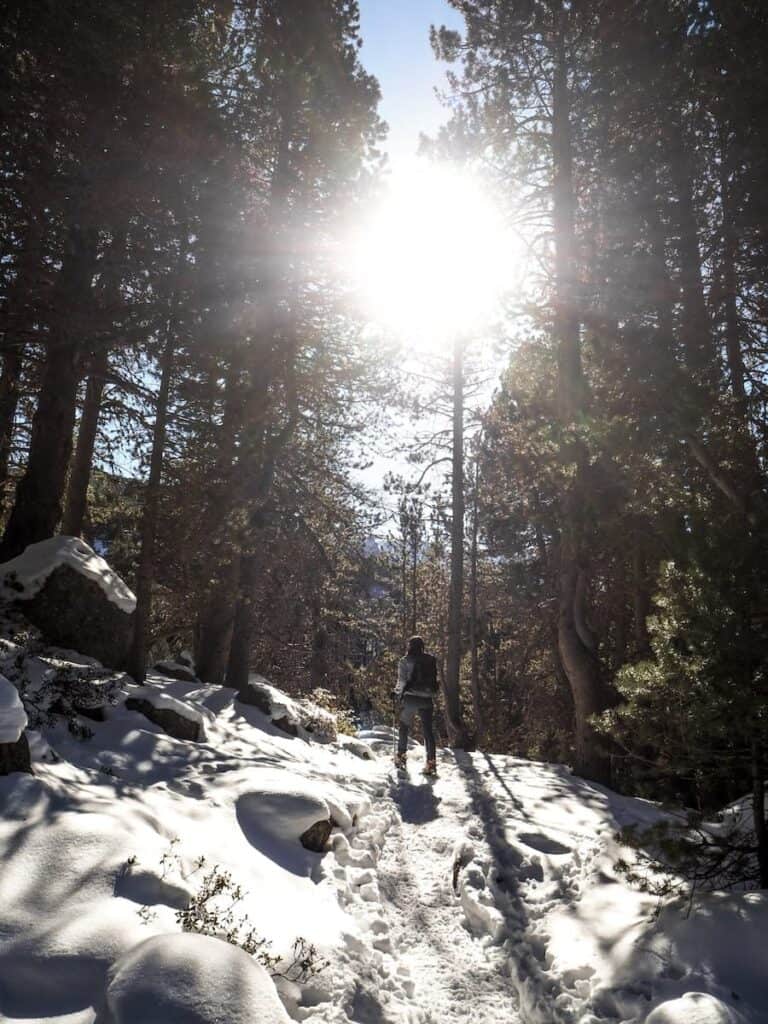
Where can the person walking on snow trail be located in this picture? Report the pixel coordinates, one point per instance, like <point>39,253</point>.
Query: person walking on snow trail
<point>415,690</point>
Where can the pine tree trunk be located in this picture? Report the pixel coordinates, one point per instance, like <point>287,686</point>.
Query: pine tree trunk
<point>452,682</point>
<point>758,811</point>
<point>641,601</point>
<point>580,662</point>
<point>37,509</point>
<point>16,303</point>
<point>695,331</point>
<point>733,350</point>
<point>9,400</point>
<point>137,665</point>
<point>80,473</point>
<point>239,662</point>
<point>215,625</point>
<point>473,630</point>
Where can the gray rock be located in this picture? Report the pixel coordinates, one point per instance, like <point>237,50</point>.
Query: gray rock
<point>316,836</point>
<point>285,725</point>
<point>14,757</point>
<point>176,670</point>
<point>256,696</point>
<point>72,611</point>
<point>169,721</point>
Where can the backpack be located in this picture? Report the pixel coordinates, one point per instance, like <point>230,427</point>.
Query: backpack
<point>424,674</point>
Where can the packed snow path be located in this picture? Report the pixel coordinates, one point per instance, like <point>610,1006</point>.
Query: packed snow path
<point>456,976</point>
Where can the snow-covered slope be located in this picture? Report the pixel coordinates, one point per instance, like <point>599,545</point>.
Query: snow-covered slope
<point>486,896</point>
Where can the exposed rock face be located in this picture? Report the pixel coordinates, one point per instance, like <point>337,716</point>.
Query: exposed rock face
<point>14,757</point>
<point>72,611</point>
<point>174,724</point>
<point>317,836</point>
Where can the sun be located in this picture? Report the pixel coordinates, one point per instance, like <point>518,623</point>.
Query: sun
<point>433,257</point>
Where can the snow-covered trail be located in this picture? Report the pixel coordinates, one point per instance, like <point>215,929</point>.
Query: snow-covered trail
<point>456,975</point>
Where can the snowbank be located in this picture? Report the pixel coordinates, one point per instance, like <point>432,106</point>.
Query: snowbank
<point>13,718</point>
<point>695,1008</point>
<point>24,576</point>
<point>191,979</point>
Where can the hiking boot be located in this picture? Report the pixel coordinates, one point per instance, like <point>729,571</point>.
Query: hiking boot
<point>430,768</point>
<point>400,761</point>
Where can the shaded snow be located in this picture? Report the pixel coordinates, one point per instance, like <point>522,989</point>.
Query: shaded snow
<point>13,718</point>
<point>23,577</point>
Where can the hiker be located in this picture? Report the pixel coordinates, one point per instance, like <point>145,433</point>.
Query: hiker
<point>416,687</point>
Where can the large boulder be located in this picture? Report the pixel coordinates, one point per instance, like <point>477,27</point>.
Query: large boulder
<point>73,597</point>
<point>190,979</point>
<point>177,718</point>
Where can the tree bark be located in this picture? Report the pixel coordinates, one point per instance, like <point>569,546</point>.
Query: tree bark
<point>758,811</point>
<point>17,299</point>
<point>473,630</point>
<point>80,473</point>
<point>137,665</point>
<point>239,661</point>
<point>37,509</point>
<point>452,682</point>
<point>575,641</point>
<point>641,600</point>
<point>733,351</point>
<point>695,330</point>
<point>9,400</point>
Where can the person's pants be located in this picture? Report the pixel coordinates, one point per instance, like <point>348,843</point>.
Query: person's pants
<point>407,714</point>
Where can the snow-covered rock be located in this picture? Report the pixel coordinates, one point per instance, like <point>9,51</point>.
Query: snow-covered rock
<point>73,597</point>
<point>285,814</point>
<point>24,576</point>
<point>355,746</point>
<point>191,979</point>
<point>176,717</point>
<point>301,718</point>
<point>14,749</point>
<point>176,670</point>
<point>13,718</point>
<point>695,1008</point>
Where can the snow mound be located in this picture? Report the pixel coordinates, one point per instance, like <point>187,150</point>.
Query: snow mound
<point>281,813</point>
<point>13,718</point>
<point>695,1008</point>
<point>191,979</point>
<point>24,576</point>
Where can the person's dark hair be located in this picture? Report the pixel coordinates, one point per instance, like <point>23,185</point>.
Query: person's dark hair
<point>416,645</point>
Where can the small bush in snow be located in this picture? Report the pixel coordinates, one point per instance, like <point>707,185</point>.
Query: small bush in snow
<point>681,858</point>
<point>212,910</point>
<point>331,703</point>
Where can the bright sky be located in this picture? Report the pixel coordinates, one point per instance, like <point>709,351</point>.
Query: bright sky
<point>396,50</point>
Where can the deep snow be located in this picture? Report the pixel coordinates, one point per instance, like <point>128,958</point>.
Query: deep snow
<point>488,895</point>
